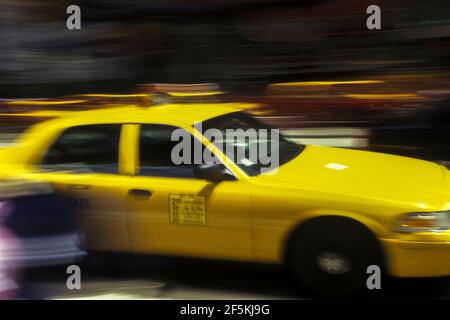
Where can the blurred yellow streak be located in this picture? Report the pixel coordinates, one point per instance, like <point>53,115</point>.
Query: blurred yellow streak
<point>324,83</point>
<point>194,94</point>
<point>49,113</point>
<point>102,95</point>
<point>43,103</point>
<point>384,96</point>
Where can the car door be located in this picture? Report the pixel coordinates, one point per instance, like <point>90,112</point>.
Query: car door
<point>82,165</point>
<point>172,212</point>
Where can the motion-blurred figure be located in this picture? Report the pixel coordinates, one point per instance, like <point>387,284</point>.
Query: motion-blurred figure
<point>8,242</point>
<point>37,229</point>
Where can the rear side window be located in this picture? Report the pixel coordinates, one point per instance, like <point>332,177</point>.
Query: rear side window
<point>90,148</point>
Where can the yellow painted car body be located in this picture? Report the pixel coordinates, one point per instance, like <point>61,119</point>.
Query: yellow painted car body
<point>252,218</point>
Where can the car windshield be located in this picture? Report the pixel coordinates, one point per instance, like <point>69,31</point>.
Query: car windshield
<point>253,145</point>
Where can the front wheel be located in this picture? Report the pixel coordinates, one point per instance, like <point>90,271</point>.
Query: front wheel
<point>331,257</point>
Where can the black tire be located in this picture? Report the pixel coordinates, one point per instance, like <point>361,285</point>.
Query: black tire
<point>330,256</point>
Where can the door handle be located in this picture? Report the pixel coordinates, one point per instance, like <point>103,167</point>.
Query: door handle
<point>140,193</point>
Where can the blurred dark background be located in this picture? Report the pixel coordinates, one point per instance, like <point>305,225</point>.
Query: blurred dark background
<point>241,44</point>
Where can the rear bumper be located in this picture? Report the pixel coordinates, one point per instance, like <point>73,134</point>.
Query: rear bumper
<point>44,251</point>
<point>417,259</point>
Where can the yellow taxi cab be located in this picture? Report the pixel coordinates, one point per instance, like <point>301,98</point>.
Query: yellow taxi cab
<point>327,213</point>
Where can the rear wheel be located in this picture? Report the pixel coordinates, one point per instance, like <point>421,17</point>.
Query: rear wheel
<point>331,255</point>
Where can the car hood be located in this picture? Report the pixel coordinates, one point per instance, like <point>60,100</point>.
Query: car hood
<point>364,173</point>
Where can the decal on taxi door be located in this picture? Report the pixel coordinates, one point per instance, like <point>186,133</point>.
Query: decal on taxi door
<point>187,209</point>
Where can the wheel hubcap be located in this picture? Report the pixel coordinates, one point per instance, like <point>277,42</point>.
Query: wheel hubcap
<point>333,263</point>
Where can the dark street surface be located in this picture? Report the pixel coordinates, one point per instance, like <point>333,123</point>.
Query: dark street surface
<point>162,278</point>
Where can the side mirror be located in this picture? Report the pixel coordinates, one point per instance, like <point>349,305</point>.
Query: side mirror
<point>213,172</point>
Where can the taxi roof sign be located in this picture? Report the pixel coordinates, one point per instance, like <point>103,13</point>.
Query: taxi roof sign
<point>181,90</point>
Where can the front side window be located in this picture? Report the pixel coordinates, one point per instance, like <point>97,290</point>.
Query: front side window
<point>89,148</point>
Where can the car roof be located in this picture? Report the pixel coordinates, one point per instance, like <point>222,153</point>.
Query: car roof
<point>187,114</point>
